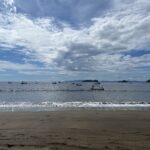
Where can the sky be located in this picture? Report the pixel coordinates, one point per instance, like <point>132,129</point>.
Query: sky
<point>74,39</point>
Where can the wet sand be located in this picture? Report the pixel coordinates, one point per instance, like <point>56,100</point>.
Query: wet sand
<point>75,130</point>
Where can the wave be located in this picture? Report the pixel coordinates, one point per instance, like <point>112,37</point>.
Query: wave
<point>71,90</point>
<point>73,105</point>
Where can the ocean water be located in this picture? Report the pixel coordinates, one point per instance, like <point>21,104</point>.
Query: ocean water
<point>47,96</point>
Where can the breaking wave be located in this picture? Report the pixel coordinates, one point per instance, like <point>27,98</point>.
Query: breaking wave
<point>48,106</point>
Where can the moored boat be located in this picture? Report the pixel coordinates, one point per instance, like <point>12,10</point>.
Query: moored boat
<point>97,87</point>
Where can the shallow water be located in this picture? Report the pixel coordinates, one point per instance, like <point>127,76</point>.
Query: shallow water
<point>39,96</point>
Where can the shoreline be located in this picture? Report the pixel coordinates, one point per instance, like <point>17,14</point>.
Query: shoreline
<point>62,106</point>
<point>75,130</point>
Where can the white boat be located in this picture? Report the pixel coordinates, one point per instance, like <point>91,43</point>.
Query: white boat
<point>97,87</point>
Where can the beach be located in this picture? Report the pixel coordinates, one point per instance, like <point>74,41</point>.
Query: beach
<point>75,130</point>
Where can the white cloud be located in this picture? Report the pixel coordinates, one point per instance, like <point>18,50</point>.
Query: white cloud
<point>8,6</point>
<point>7,65</point>
<point>120,62</point>
<point>98,47</point>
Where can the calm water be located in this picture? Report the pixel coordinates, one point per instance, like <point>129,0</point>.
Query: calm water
<point>38,96</point>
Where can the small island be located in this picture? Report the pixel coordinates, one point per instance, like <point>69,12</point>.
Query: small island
<point>148,81</point>
<point>23,82</point>
<point>90,81</point>
<point>123,81</point>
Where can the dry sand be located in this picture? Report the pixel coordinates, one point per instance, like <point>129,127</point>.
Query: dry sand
<point>75,130</point>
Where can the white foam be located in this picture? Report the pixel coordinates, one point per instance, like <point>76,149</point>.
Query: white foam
<point>73,105</point>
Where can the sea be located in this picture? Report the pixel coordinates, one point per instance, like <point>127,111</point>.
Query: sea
<point>73,95</point>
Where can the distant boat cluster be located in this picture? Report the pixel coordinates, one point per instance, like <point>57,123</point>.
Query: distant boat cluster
<point>95,86</point>
<point>82,85</point>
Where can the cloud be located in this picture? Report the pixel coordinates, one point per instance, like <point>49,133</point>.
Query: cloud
<point>6,65</point>
<point>7,6</point>
<point>59,46</point>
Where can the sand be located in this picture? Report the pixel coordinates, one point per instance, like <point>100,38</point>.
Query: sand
<point>75,130</point>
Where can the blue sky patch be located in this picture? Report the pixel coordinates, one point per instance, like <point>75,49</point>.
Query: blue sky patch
<point>12,56</point>
<point>137,53</point>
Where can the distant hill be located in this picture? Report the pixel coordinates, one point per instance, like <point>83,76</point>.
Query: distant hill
<point>123,81</point>
<point>148,81</point>
<point>90,81</point>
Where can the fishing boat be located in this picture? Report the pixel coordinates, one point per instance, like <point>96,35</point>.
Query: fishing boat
<point>97,87</point>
